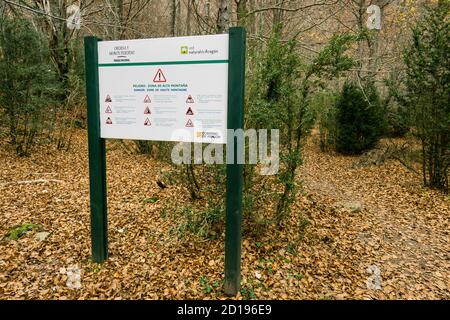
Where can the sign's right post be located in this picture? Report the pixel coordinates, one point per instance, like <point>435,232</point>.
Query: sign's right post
<point>236,88</point>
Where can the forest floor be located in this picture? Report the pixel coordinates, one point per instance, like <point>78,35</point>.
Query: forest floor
<point>374,233</point>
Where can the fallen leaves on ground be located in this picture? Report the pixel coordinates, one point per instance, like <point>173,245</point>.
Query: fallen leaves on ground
<point>360,219</point>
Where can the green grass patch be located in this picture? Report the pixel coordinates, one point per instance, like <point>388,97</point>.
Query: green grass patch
<point>19,231</point>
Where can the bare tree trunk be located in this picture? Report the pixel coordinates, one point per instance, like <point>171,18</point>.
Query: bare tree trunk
<point>58,37</point>
<point>360,12</point>
<point>369,62</point>
<point>188,18</point>
<point>241,12</point>
<point>277,20</point>
<point>374,42</point>
<point>173,16</point>
<point>178,18</point>
<point>119,14</point>
<point>373,54</point>
<point>260,25</point>
<point>252,20</point>
<point>223,18</point>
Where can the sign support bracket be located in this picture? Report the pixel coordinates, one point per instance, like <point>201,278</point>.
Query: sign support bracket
<point>236,77</point>
<point>97,156</point>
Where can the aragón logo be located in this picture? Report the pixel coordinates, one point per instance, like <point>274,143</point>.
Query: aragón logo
<point>192,50</point>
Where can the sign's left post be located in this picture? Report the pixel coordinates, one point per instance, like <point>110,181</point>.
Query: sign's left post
<point>97,155</point>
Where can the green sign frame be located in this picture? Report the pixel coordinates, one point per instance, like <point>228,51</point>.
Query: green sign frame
<point>97,158</point>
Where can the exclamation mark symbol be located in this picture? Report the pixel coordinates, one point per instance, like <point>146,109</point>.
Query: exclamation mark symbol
<point>159,76</point>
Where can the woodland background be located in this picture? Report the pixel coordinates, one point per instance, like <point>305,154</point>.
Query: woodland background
<point>359,208</point>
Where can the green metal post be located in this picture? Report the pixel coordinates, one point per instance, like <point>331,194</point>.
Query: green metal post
<point>97,155</point>
<point>236,77</point>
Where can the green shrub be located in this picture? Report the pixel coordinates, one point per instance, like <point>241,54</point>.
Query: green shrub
<point>201,223</point>
<point>324,106</point>
<point>396,111</point>
<point>279,98</point>
<point>396,120</point>
<point>19,231</point>
<point>359,119</point>
<point>427,92</point>
<point>28,84</point>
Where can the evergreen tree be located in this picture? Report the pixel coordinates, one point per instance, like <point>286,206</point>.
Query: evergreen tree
<point>359,119</point>
<point>427,85</point>
<point>27,81</point>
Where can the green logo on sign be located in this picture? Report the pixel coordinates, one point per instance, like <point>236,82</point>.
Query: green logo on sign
<point>184,50</point>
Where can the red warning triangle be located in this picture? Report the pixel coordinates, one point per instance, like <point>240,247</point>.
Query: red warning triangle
<point>147,110</point>
<point>147,122</point>
<point>159,76</point>
<point>108,121</point>
<point>189,112</point>
<point>189,123</point>
<point>147,99</point>
<point>189,99</point>
<point>108,98</point>
<point>108,110</point>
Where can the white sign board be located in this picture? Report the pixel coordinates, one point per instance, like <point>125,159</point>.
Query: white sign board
<point>167,89</point>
